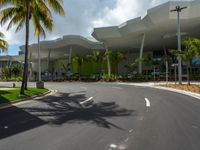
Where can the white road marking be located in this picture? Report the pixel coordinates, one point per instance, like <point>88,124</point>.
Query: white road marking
<point>116,87</point>
<point>89,99</point>
<point>130,131</point>
<point>5,127</point>
<point>82,87</point>
<point>147,102</point>
<point>141,118</point>
<point>113,146</point>
<point>126,140</point>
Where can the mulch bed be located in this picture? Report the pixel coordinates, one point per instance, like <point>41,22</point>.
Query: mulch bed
<point>191,88</point>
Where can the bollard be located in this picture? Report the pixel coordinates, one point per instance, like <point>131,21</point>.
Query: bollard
<point>14,85</point>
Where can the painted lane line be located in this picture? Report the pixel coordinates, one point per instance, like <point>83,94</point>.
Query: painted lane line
<point>130,131</point>
<point>89,99</point>
<point>116,87</point>
<point>113,146</point>
<point>147,102</point>
<point>126,140</point>
<point>5,127</point>
<point>82,87</point>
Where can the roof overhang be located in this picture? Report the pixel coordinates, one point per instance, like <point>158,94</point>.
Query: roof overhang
<point>60,47</point>
<point>159,25</point>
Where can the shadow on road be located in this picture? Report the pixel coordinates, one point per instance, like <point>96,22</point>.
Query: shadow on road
<point>57,110</point>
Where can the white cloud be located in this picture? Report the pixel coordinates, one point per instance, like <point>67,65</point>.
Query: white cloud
<point>124,10</point>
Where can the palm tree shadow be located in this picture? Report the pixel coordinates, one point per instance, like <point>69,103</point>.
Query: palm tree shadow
<point>66,108</point>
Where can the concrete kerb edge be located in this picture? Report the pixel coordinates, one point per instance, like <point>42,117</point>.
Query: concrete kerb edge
<point>9,104</point>
<point>194,95</point>
<point>157,86</point>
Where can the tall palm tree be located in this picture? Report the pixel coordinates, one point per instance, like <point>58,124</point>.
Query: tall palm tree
<point>3,43</point>
<point>20,12</point>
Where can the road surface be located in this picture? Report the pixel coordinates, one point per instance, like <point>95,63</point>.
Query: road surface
<point>123,118</point>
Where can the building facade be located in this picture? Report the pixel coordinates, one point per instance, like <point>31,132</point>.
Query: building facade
<point>154,34</point>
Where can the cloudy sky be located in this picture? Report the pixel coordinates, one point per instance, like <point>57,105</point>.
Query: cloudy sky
<point>82,16</point>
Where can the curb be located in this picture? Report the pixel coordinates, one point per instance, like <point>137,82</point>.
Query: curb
<point>27,99</point>
<point>195,95</point>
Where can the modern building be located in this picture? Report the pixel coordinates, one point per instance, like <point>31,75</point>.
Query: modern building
<point>56,55</point>
<point>153,33</point>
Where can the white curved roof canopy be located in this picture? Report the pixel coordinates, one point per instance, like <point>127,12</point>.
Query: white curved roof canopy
<point>159,26</point>
<point>60,47</point>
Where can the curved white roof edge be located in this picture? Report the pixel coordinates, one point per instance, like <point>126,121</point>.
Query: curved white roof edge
<point>155,15</point>
<point>68,40</point>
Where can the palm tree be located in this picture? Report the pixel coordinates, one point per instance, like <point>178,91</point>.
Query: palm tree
<point>148,62</point>
<point>188,54</point>
<point>96,58</point>
<point>79,60</point>
<point>107,56</point>
<point>113,58</point>
<point>20,12</point>
<point>3,43</point>
<point>116,58</point>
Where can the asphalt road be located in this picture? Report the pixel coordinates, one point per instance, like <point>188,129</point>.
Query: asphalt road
<point>123,117</point>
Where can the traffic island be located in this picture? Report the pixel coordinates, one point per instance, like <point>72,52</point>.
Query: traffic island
<point>9,95</point>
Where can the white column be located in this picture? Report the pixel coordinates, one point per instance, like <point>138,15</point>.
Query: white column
<point>141,53</point>
<point>48,60</point>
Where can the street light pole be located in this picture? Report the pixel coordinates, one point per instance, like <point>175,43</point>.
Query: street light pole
<point>178,9</point>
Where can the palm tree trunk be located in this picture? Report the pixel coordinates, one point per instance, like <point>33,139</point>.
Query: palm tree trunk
<point>109,66</point>
<point>167,71</point>
<point>188,74</point>
<point>39,61</point>
<point>146,74</point>
<point>25,72</point>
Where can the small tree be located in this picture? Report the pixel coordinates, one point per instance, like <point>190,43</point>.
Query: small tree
<point>116,58</point>
<point>6,72</point>
<point>148,62</point>
<point>113,58</point>
<point>79,60</point>
<point>16,70</point>
<point>188,53</point>
<point>96,58</point>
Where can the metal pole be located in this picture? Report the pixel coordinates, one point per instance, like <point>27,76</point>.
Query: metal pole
<point>178,9</point>
<point>154,74</point>
<point>175,74</point>
<point>179,48</point>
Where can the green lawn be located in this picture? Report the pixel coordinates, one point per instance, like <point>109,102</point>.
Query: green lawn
<point>12,95</point>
